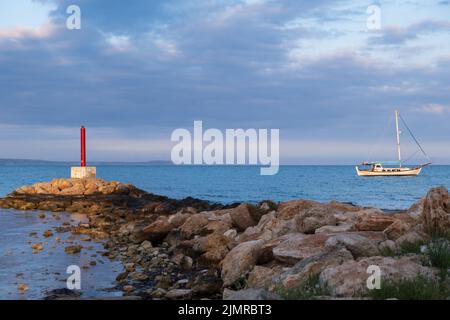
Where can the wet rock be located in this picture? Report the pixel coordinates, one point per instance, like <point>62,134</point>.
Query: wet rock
<point>48,234</point>
<point>37,247</point>
<point>22,287</point>
<point>73,249</point>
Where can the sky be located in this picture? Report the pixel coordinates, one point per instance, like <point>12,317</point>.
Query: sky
<point>138,70</point>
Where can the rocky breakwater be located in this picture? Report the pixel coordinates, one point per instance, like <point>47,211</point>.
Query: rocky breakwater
<point>183,249</point>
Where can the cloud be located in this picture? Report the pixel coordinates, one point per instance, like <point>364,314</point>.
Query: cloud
<point>434,108</point>
<point>146,68</point>
<point>395,35</point>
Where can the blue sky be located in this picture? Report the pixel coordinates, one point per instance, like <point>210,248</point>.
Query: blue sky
<point>137,70</point>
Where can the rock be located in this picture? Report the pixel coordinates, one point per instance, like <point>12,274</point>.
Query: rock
<point>214,247</point>
<point>145,246</point>
<point>397,229</point>
<point>158,230</point>
<point>176,294</point>
<point>310,267</point>
<point>350,278</point>
<point>73,249</point>
<point>48,234</point>
<point>436,211</point>
<point>130,267</point>
<point>37,246</point>
<point>358,245</point>
<point>158,293</point>
<point>22,287</point>
<point>372,220</point>
<point>249,294</point>
<point>128,288</point>
<point>194,225</point>
<point>415,211</point>
<point>290,209</point>
<point>260,277</point>
<point>239,261</point>
<point>345,227</point>
<point>242,218</point>
<point>314,218</point>
<point>298,246</point>
<point>138,276</point>
<point>412,237</point>
<point>269,227</point>
<point>388,246</point>
<point>232,234</point>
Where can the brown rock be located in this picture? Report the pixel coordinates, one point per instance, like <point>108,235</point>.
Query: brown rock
<point>298,246</point>
<point>357,244</point>
<point>373,220</point>
<point>73,249</point>
<point>288,210</point>
<point>397,229</point>
<point>242,218</point>
<point>350,278</point>
<point>304,270</point>
<point>239,261</point>
<point>261,277</point>
<point>214,247</point>
<point>311,219</point>
<point>194,225</point>
<point>158,230</point>
<point>436,211</point>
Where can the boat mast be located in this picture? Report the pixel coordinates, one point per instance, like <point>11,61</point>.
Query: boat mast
<point>398,138</point>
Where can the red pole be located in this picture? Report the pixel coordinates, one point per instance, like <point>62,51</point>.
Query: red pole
<point>83,146</point>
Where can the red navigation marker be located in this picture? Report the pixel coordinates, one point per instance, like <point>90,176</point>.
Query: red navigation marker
<point>83,146</point>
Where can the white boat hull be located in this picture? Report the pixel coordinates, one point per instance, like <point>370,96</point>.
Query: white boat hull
<point>389,172</point>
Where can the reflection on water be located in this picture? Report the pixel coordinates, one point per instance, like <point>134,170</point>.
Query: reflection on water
<point>46,270</point>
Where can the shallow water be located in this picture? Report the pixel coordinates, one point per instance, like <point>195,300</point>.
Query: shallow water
<point>46,270</point>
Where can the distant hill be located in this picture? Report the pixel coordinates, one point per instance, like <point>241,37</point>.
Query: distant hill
<point>33,162</point>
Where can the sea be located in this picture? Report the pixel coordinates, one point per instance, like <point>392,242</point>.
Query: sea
<point>46,270</point>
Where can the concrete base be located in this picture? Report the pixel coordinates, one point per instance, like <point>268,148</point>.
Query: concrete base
<point>83,172</point>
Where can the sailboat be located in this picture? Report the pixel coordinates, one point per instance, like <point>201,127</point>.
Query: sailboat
<point>393,168</point>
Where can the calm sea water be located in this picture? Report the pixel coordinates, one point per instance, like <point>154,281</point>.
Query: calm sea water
<point>226,184</point>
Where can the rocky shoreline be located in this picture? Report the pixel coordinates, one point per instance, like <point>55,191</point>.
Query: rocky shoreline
<point>193,249</point>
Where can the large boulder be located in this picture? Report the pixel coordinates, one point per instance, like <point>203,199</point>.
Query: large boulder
<point>310,267</point>
<point>239,261</point>
<point>297,246</point>
<point>357,244</point>
<point>269,227</point>
<point>373,220</point>
<point>350,278</point>
<point>436,211</point>
<point>213,247</point>
<point>290,209</point>
<point>313,218</point>
<point>194,225</point>
<point>397,229</point>
<point>242,217</point>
